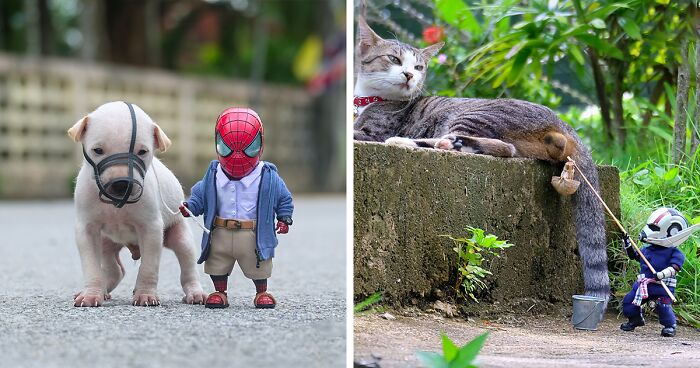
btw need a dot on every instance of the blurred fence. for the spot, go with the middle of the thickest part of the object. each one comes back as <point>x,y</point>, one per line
<point>41,99</point>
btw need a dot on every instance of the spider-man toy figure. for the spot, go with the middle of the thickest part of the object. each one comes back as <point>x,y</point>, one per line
<point>240,198</point>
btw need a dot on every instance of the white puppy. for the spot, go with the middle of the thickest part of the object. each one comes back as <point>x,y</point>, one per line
<point>115,208</point>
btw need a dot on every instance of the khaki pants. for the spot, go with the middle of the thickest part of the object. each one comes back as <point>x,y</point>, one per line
<point>229,246</point>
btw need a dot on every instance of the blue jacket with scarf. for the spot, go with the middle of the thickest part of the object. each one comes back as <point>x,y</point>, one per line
<point>273,199</point>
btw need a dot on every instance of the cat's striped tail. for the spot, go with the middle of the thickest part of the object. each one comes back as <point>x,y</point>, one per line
<point>590,230</point>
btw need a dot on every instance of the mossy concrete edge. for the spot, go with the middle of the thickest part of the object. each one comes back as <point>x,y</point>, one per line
<point>405,199</point>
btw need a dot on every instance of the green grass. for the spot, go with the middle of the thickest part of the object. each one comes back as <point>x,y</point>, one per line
<point>644,188</point>
<point>369,305</point>
<point>648,181</point>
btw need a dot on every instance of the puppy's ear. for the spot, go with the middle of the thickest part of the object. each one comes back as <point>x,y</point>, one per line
<point>162,142</point>
<point>77,131</point>
<point>432,50</point>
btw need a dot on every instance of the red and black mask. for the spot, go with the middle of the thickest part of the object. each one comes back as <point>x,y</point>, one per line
<point>239,141</point>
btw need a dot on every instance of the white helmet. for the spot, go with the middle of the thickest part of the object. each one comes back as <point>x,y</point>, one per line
<point>667,227</point>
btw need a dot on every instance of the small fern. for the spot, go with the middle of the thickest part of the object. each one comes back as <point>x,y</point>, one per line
<point>472,252</point>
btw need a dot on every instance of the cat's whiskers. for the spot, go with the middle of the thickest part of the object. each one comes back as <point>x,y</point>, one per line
<point>383,76</point>
<point>388,89</point>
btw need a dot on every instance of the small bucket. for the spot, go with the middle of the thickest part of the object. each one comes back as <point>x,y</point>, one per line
<point>588,311</point>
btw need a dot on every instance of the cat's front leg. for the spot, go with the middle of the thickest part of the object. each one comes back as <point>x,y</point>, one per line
<point>469,144</point>
<point>360,135</point>
<point>412,143</point>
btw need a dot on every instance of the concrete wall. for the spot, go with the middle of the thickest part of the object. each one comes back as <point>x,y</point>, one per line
<point>41,98</point>
<point>404,199</point>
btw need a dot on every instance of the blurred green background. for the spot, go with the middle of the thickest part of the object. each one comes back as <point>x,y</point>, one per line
<point>624,74</point>
<point>183,62</point>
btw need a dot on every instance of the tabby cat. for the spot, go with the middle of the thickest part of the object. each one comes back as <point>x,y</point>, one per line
<point>393,73</point>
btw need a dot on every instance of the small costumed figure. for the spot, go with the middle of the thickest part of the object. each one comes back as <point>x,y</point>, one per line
<point>240,197</point>
<point>666,229</point>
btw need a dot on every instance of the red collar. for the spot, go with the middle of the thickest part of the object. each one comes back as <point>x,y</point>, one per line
<point>364,101</point>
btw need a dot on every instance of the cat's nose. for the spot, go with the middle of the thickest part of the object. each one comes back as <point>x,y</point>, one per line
<point>408,76</point>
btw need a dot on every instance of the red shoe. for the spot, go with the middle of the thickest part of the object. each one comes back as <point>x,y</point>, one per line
<point>264,300</point>
<point>217,299</point>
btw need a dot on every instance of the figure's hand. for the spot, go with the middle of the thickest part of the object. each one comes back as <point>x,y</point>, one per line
<point>282,228</point>
<point>183,210</point>
<point>659,276</point>
<point>626,240</point>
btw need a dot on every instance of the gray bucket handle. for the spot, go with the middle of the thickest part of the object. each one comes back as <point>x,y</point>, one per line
<point>589,314</point>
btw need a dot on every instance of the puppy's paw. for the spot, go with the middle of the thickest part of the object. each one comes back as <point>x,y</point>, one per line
<point>89,298</point>
<point>145,299</point>
<point>194,295</point>
<point>401,142</point>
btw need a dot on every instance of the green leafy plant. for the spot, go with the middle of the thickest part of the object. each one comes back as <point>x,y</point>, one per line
<point>472,252</point>
<point>643,189</point>
<point>452,356</point>
<point>367,306</point>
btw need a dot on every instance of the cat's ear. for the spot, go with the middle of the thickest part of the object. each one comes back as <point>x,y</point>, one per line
<point>368,38</point>
<point>363,9</point>
<point>432,50</point>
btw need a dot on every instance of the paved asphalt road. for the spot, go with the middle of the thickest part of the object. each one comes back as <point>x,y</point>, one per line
<point>40,271</point>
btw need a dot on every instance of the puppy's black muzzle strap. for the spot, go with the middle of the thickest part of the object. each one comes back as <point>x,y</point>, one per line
<point>130,159</point>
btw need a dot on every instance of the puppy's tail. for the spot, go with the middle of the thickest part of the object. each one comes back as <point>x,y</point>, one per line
<point>590,230</point>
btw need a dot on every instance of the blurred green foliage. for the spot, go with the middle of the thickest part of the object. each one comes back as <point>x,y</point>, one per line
<point>621,56</point>
<point>241,39</point>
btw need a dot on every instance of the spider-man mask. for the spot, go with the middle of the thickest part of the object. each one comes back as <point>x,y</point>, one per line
<point>239,141</point>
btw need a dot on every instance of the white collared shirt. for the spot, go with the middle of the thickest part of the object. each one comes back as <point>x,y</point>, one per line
<point>238,199</point>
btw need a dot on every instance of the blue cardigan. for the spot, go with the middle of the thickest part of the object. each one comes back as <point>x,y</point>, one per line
<point>273,198</point>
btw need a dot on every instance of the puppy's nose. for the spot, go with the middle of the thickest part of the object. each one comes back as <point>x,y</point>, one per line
<point>119,187</point>
<point>408,76</point>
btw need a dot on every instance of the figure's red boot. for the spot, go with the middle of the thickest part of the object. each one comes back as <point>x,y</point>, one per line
<point>217,299</point>
<point>264,300</point>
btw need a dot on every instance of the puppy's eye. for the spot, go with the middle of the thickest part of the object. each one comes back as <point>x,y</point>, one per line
<point>98,151</point>
<point>142,152</point>
<point>419,67</point>
<point>394,59</point>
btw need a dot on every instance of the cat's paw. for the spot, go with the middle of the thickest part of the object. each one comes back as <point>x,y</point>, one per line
<point>447,144</point>
<point>451,142</point>
<point>401,142</point>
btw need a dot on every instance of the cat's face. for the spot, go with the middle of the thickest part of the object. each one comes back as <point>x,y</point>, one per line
<point>391,69</point>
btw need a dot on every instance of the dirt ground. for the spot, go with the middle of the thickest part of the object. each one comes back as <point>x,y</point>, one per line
<point>531,341</point>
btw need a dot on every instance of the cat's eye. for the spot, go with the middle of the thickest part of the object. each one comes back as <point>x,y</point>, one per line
<point>394,59</point>
<point>98,151</point>
<point>419,67</point>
